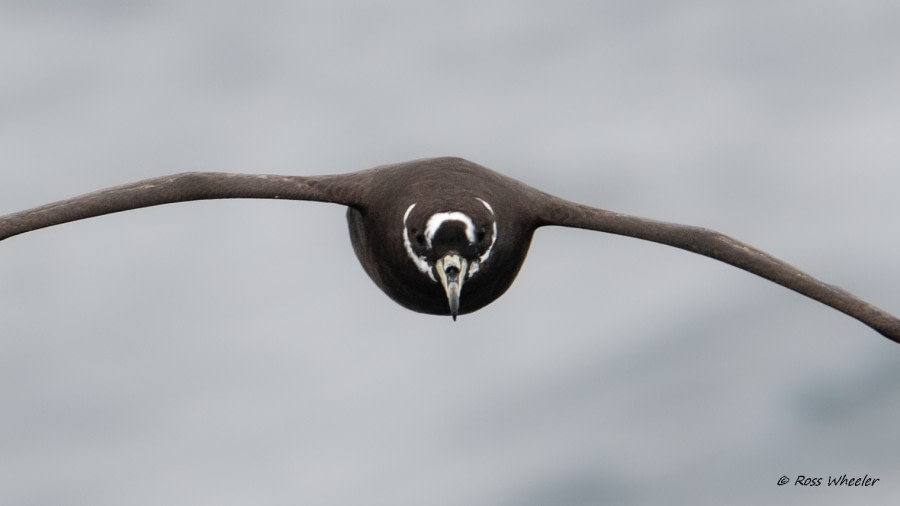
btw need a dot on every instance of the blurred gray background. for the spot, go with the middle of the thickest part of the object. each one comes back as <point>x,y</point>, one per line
<point>234,352</point>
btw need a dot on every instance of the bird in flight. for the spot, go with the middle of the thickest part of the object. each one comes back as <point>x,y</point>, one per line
<point>444,236</point>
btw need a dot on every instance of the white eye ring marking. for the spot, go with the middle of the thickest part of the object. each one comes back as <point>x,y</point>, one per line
<point>408,210</point>
<point>487,253</point>
<point>420,261</point>
<point>488,206</point>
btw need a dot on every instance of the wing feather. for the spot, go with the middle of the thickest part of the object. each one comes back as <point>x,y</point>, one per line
<point>556,211</point>
<point>187,186</point>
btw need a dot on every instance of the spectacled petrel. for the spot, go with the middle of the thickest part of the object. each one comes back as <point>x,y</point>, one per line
<point>443,235</point>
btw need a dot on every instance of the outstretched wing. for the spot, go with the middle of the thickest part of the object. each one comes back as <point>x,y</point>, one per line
<point>556,211</point>
<point>180,188</point>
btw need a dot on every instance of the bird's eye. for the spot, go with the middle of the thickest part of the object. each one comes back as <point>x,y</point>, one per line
<point>481,233</point>
<point>420,238</point>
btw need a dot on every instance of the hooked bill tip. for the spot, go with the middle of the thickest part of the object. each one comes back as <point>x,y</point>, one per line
<point>451,269</point>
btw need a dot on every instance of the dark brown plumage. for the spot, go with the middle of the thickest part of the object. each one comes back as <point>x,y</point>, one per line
<point>443,235</point>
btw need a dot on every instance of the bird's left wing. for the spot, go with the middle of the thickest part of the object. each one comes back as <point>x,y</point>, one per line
<point>555,211</point>
<point>182,187</point>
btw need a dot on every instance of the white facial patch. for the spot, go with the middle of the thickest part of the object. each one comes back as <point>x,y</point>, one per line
<point>438,219</point>
<point>434,223</point>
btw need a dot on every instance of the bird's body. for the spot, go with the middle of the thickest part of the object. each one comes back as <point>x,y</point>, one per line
<point>447,186</point>
<point>444,235</point>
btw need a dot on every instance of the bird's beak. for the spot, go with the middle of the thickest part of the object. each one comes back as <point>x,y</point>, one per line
<point>451,269</point>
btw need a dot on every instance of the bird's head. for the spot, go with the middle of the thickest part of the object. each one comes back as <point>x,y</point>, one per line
<point>450,246</point>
